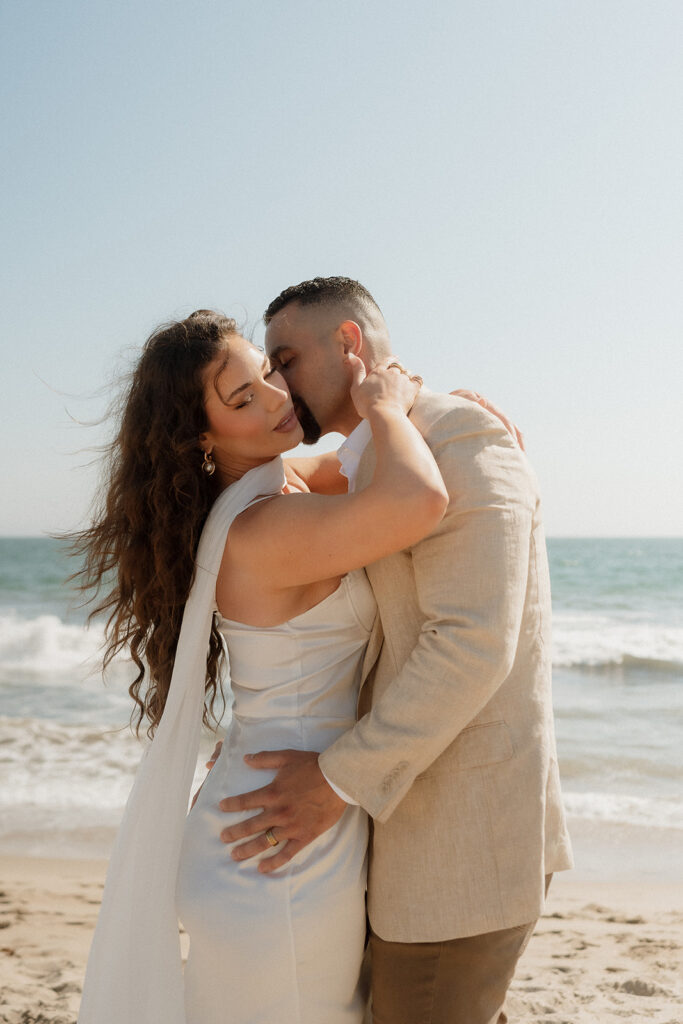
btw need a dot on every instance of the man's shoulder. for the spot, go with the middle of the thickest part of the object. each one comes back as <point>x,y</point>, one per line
<point>471,445</point>
<point>435,412</point>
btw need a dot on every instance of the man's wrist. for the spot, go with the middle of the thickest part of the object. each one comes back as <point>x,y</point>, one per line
<point>340,792</point>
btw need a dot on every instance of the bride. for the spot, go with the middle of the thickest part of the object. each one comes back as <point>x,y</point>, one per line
<point>277,578</point>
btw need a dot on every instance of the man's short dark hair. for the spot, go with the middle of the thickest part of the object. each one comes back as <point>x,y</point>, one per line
<point>321,291</point>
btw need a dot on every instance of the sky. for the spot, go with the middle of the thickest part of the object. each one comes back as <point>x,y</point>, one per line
<point>504,177</point>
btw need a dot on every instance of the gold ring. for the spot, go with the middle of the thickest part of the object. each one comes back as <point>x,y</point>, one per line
<point>417,379</point>
<point>272,841</point>
<point>398,366</point>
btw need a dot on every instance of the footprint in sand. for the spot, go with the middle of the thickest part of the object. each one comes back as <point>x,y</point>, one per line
<point>66,987</point>
<point>609,915</point>
<point>638,987</point>
<point>33,1017</point>
<point>646,947</point>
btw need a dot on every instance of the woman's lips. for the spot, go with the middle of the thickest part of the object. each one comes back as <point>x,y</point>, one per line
<point>288,422</point>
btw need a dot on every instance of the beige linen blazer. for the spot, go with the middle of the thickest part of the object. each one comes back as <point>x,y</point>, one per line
<point>454,756</point>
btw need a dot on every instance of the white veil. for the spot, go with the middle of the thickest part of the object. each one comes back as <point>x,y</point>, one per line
<point>134,973</point>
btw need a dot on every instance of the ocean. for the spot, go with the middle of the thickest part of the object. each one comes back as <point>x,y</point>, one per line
<point>67,756</point>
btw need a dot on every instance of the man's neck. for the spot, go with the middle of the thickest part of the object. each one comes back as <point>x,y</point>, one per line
<point>345,421</point>
<point>348,423</point>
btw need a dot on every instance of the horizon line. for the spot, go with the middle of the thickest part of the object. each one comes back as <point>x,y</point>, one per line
<point>549,536</point>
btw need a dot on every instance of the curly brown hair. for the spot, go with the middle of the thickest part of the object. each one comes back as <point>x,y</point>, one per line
<point>139,550</point>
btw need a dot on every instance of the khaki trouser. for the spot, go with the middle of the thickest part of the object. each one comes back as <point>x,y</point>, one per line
<point>462,981</point>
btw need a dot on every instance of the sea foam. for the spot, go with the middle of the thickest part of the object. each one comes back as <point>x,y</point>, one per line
<point>624,808</point>
<point>53,651</point>
<point>46,646</point>
<point>599,640</point>
<point>65,786</point>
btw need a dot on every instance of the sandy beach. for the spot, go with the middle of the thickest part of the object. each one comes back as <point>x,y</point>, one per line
<point>602,953</point>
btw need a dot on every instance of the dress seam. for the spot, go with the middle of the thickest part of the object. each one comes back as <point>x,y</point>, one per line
<point>292,943</point>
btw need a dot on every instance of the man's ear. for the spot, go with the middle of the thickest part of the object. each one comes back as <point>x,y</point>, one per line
<point>352,337</point>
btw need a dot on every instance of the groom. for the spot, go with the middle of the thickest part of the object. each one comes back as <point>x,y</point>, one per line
<point>453,755</point>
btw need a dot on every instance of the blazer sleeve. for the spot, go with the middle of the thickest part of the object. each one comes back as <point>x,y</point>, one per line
<point>471,577</point>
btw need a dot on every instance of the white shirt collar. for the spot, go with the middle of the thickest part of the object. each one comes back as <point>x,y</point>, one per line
<point>351,451</point>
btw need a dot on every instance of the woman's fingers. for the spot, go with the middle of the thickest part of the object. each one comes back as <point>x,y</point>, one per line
<point>214,757</point>
<point>474,396</point>
<point>209,765</point>
<point>387,381</point>
<point>471,396</point>
<point>357,369</point>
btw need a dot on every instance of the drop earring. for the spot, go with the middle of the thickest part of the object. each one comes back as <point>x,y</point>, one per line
<point>208,465</point>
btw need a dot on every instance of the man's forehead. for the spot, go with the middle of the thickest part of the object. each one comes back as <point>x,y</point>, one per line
<point>293,325</point>
<point>281,333</point>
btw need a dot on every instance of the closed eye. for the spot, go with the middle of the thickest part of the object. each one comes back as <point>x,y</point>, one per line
<point>268,370</point>
<point>246,401</point>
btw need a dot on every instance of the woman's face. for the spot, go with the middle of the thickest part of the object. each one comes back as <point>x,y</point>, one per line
<point>250,414</point>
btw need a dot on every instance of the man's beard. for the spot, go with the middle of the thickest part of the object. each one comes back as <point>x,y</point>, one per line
<point>309,423</point>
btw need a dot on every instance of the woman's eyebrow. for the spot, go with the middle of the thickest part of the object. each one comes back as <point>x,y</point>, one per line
<point>243,387</point>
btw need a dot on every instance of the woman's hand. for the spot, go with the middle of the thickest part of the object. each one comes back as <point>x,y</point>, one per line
<point>512,428</point>
<point>387,382</point>
<point>209,764</point>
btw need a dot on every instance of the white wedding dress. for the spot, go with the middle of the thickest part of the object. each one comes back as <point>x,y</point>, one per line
<point>284,948</point>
